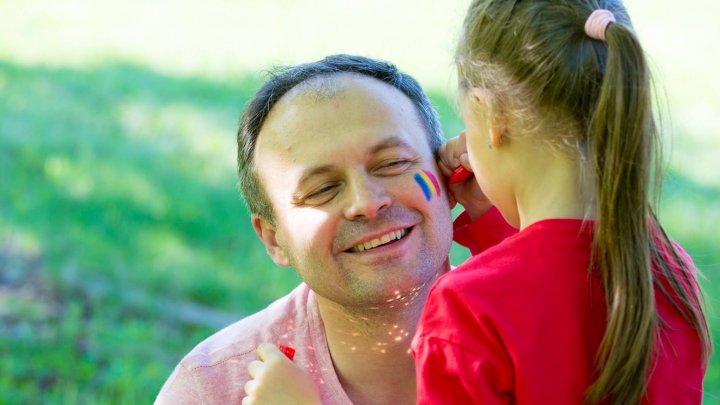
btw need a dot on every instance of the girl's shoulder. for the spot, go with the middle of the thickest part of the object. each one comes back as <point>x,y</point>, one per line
<point>549,245</point>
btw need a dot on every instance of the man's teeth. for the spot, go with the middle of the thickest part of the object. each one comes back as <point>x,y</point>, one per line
<point>388,237</point>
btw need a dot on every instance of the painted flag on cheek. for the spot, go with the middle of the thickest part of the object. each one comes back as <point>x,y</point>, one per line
<point>428,183</point>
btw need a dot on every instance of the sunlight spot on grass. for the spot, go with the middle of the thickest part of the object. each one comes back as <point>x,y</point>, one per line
<point>56,167</point>
<point>128,184</point>
<point>100,180</point>
<point>167,249</point>
<point>183,125</point>
<point>77,183</point>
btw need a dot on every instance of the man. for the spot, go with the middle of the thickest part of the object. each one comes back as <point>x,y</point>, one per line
<point>335,161</point>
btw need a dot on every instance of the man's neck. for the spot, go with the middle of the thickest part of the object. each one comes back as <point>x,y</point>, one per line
<point>370,349</point>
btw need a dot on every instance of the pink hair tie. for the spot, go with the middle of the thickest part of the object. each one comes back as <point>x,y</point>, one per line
<point>597,23</point>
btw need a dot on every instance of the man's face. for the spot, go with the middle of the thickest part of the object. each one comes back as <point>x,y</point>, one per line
<point>340,174</point>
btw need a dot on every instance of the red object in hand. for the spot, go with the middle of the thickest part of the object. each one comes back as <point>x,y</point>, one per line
<point>287,351</point>
<point>459,175</point>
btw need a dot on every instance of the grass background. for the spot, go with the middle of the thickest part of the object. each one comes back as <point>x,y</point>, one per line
<point>123,240</point>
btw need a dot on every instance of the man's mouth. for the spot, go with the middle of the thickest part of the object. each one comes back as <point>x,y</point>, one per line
<point>386,239</point>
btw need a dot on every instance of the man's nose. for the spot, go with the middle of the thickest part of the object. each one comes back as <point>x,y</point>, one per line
<point>367,197</point>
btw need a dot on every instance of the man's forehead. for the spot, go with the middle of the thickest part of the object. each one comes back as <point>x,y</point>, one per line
<point>326,87</point>
<point>320,88</point>
<point>341,107</point>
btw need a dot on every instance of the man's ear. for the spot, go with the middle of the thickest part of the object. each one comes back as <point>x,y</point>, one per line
<point>268,235</point>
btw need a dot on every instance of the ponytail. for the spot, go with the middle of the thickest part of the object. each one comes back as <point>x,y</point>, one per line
<point>620,131</point>
<point>628,239</point>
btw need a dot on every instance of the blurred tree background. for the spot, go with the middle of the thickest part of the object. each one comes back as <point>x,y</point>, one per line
<point>123,239</point>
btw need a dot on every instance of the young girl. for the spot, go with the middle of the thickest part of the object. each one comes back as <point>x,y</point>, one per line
<point>590,301</point>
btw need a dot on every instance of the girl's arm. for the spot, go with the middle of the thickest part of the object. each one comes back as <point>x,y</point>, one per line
<point>481,226</point>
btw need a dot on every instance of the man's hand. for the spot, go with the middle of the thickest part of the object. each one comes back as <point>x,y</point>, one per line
<point>277,381</point>
<point>468,193</point>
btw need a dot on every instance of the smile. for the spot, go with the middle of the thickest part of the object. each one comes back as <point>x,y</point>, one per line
<point>389,237</point>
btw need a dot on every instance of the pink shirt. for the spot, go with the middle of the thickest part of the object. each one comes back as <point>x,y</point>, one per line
<point>215,372</point>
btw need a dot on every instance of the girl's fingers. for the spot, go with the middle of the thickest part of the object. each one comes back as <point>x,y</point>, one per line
<point>250,388</point>
<point>443,162</point>
<point>445,170</point>
<point>450,155</point>
<point>254,368</point>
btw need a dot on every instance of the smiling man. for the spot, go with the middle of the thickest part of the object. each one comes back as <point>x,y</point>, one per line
<point>337,166</point>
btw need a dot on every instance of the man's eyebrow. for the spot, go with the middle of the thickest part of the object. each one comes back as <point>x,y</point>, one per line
<point>392,142</point>
<point>315,171</point>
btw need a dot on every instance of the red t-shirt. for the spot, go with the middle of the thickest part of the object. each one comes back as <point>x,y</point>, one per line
<point>521,323</point>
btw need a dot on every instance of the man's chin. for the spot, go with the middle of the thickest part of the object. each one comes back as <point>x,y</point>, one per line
<point>402,296</point>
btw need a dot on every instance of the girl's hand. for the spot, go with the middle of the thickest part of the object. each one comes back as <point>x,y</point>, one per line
<point>468,193</point>
<point>278,381</point>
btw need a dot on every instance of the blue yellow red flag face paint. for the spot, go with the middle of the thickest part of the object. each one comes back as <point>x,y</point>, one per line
<point>428,184</point>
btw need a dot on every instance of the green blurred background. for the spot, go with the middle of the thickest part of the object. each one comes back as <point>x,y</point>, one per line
<point>123,240</point>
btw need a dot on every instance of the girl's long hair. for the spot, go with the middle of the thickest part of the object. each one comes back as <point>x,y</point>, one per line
<point>538,62</point>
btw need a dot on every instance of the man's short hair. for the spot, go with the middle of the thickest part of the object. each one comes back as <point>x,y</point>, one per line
<point>284,79</point>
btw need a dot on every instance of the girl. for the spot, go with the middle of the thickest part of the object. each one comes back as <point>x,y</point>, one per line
<point>590,301</point>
